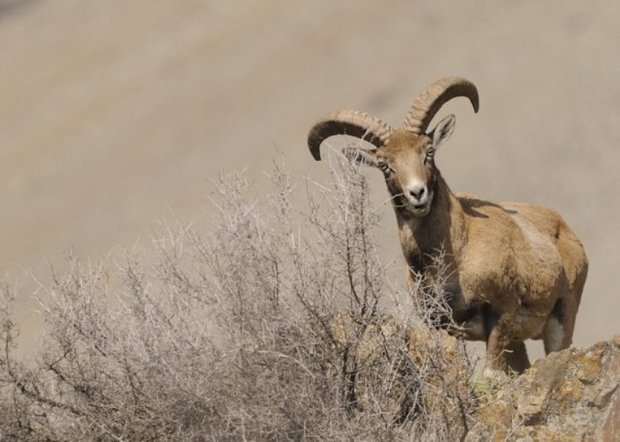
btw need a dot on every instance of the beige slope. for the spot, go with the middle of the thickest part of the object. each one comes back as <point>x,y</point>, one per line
<point>115,114</point>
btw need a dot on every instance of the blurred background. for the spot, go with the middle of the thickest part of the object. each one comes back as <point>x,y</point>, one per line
<point>117,114</point>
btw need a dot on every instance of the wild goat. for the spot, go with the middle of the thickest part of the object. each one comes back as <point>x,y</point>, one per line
<point>516,271</point>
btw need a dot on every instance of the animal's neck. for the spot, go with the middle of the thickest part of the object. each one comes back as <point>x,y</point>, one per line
<point>423,238</point>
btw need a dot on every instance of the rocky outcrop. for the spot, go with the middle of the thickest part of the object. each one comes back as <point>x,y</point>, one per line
<point>571,395</point>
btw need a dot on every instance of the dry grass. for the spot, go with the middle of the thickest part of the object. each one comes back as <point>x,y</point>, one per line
<point>271,326</point>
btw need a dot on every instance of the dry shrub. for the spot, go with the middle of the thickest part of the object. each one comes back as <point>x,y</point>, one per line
<point>271,326</point>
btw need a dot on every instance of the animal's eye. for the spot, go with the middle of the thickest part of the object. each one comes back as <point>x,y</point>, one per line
<point>430,153</point>
<point>385,167</point>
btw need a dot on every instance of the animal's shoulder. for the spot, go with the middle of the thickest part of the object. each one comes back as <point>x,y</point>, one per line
<point>486,216</point>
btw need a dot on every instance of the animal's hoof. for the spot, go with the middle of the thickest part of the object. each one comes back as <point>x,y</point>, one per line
<point>494,373</point>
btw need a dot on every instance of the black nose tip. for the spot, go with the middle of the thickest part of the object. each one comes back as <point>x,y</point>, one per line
<point>417,193</point>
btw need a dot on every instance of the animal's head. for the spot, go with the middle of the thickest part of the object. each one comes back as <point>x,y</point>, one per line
<point>406,155</point>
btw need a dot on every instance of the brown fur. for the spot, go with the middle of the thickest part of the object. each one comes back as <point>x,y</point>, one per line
<point>516,271</point>
<point>519,265</point>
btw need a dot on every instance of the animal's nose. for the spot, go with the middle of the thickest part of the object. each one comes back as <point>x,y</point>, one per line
<point>417,192</point>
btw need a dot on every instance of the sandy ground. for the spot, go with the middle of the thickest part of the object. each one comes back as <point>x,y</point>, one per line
<point>115,114</point>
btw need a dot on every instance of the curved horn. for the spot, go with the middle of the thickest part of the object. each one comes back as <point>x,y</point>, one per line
<point>348,122</point>
<point>430,101</point>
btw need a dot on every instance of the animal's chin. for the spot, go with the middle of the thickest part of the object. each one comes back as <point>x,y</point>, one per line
<point>409,208</point>
<point>419,210</point>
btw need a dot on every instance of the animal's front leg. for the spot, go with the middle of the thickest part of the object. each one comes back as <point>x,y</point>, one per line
<point>499,336</point>
<point>516,357</point>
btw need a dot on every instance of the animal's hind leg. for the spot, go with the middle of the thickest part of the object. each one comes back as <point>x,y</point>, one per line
<point>554,335</point>
<point>558,331</point>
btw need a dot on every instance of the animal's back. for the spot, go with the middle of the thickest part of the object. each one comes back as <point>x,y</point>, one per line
<point>541,227</point>
<point>546,257</point>
<point>552,226</point>
<point>545,271</point>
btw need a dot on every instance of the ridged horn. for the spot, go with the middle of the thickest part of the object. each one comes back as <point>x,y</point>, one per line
<point>430,101</point>
<point>348,122</point>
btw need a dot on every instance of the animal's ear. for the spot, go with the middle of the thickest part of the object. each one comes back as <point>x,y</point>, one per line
<point>367,157</point>
<point>442,131</point>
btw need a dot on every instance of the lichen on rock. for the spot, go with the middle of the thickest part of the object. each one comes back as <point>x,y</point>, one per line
<point>570,395</point>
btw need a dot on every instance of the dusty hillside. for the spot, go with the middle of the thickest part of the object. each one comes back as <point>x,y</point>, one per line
<point>116,114</point>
